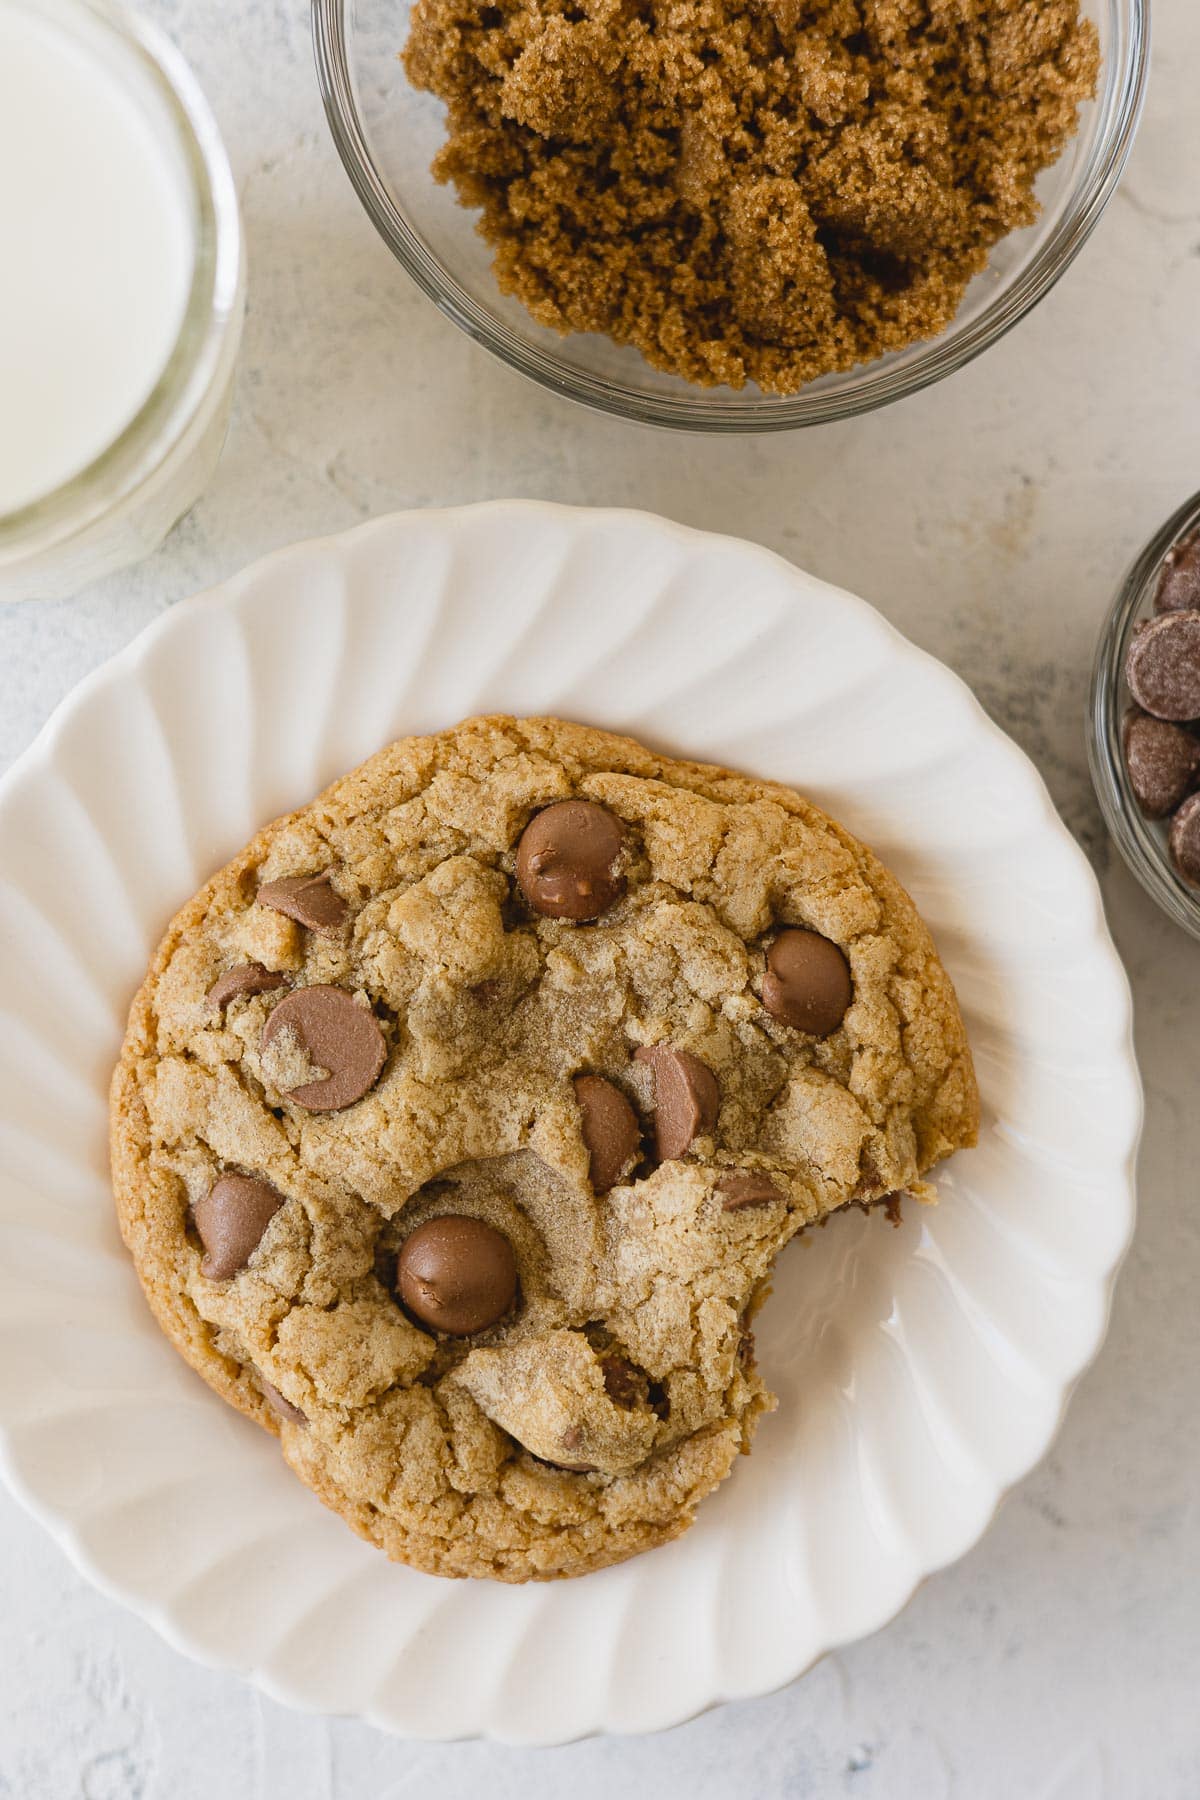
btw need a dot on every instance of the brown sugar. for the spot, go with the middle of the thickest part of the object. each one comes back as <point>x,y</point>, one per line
<point>750,190</point>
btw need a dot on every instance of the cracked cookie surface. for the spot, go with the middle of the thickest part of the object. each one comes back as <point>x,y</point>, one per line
<point>461,1117</point>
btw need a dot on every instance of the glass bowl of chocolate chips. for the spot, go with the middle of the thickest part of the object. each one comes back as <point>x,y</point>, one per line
<point>1145,739</point>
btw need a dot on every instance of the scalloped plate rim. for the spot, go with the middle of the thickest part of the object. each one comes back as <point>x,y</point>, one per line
<point>236,590</point>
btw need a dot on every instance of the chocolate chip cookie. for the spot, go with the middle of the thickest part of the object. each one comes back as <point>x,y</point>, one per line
<point>461,1117</point>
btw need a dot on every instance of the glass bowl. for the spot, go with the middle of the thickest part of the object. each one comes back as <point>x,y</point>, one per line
<point>1141,841</point>
<point>119,507</point>
<point>387,135</point>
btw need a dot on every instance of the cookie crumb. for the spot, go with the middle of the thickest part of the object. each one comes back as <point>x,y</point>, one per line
<point>287,1065</point>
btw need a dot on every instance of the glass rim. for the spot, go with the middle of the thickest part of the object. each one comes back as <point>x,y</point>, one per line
<point>1131,831</point>
<point>212,309</point>
<point>1122,96</point>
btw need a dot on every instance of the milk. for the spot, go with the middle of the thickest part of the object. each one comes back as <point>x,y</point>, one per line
<point>97,235</point>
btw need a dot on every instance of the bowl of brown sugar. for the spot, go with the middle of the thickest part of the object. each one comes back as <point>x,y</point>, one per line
<point>734,215</point>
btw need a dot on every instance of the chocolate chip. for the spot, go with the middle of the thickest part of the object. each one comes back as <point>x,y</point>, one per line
<point>1163,762</point>
<point>748,1187</point>
<point>245,979</point>
<point>622,1382</point>
<point>571,1439</point>
<point>457,1274</point>
<point>1163,666</point>
<point>1184,840</point>
<point>336,1034</point>
<point>686,1098</point>
<point>658,1399</point>
<point>231,1219</point>
<point>312,900</point>
<point>807,984</point>
<point>567,860</point>
<point>1179,584</point>
<point>609,1128</point>
<point>278,1405</point>
<point>870,1181</point>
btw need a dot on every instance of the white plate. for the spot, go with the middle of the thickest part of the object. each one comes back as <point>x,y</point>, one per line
<point>920,1371</point>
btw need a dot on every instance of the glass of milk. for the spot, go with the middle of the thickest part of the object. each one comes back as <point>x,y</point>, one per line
<point>121,292</point>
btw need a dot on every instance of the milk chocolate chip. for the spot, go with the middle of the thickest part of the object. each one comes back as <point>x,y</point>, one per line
<point>571,1439</point>
<point>1184,840</point>
<point>245,979</point>
<point>686,1098</point>
<point>1179,584</point>
<point>807,984</point>
<point>610,1131</point>
<point>567,860</point>
<point>1163,666</point>
<point>457,1274</point>
<point>623,1383</point>
<point>1163,761</point>
<point>336,1034</point>
<point>747,1187</point>
<point>283,1409</point>
<point>311,900</point>
<point>231,1219</point>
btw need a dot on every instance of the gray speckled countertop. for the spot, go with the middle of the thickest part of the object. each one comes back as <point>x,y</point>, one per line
<point>990,519</point>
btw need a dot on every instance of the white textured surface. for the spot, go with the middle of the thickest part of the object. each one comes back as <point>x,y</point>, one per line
<point>990,519</point>
<point>920,1371</point>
